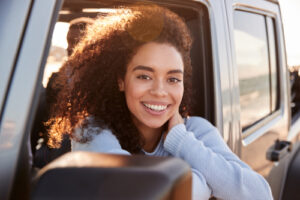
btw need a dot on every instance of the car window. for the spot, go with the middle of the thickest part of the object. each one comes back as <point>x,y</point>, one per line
<point>257,66</point>
<point>196,18</point>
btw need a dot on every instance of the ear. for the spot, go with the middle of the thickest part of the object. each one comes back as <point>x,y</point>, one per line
<point>121,84</point>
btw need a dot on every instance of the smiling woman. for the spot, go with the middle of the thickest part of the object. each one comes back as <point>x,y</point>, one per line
<point>128,92</point>
<point>98,66</point>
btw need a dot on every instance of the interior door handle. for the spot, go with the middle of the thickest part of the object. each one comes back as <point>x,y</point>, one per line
<point>279,150</point>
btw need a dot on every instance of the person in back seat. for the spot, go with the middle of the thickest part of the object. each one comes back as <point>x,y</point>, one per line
<point>130,94</point>
<point>76,31</point>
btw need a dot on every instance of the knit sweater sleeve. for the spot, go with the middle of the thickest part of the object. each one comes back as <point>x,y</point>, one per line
<point>200,145</point>
<point>104,142</point>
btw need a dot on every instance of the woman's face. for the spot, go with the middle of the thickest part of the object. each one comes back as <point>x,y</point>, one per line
<point>153,85</point>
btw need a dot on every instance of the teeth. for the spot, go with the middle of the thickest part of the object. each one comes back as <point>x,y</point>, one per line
<point>155,107</point>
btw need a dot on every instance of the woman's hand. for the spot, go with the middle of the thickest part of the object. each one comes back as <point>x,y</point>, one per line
<point>173,121</point>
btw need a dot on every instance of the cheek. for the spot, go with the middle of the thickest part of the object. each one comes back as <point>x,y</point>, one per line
<point>177,94</point>
<point>134,92</point>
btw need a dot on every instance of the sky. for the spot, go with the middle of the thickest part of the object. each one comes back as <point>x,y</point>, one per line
<point>290,10</point>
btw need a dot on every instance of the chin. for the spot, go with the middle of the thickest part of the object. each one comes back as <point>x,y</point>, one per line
<point>156,125</point>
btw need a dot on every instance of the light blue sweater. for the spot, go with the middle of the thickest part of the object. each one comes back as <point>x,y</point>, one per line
<point>216,170</point>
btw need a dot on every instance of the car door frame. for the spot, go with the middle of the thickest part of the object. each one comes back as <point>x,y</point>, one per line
<point>23,91</point>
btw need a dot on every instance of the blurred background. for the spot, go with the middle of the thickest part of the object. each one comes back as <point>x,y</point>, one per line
<point>290,10</point>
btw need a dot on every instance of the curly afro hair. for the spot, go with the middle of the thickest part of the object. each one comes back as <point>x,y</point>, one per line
<point>89,78</point>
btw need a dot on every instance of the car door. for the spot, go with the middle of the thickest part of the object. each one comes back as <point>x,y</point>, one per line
<point>25,28</point>
<point>260,73</point>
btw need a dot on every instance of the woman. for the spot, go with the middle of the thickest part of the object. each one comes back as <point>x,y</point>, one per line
<point>129,94</point>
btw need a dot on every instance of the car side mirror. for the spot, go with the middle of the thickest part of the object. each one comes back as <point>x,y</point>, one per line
<point>86,175</point>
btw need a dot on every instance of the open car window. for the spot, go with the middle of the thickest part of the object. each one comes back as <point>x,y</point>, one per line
<point>194,14</point>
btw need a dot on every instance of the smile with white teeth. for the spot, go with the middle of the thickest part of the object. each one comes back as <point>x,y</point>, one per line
<point>155,107</point>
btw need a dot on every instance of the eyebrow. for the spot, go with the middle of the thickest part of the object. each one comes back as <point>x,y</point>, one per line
<point>140,67</point>
<point>175,71</point>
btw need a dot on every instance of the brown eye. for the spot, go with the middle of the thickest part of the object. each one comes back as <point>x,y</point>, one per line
<point>174,80</point>
<point>144,77</point>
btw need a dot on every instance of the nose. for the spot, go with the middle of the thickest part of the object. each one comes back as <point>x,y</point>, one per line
<point>158,88</point>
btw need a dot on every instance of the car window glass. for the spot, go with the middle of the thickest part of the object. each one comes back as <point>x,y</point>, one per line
<point>256,62</point>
